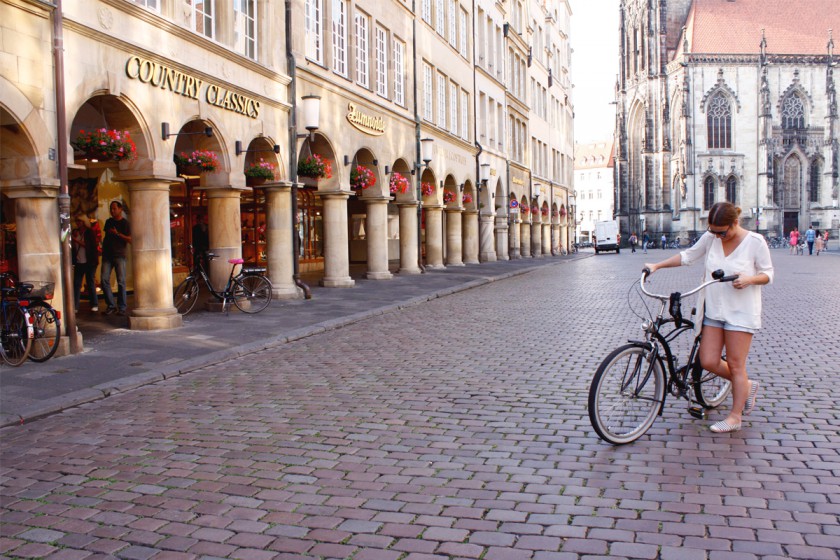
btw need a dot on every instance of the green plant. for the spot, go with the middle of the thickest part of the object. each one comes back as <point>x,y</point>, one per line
<point>399,183</point>
<point>204,160</point>
<point>106,145</point>
<point>260,170</point>
<point>361,178</point>
<point>314,166</point>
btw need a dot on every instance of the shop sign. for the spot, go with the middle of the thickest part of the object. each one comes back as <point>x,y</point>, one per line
<point>166,77</point>
<point>375,126</point>
<point>517,181</point>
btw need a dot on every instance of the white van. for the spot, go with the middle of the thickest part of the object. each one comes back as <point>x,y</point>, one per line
<point>606,236</point>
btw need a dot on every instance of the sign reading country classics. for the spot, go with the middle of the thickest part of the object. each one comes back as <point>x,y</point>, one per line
<point>366,123</point>
<point>172,79</point>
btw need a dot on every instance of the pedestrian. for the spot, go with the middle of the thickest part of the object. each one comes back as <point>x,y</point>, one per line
<point>794,240</point>
<point>732,310</point>
<point>201,240</point>
<point>810,236</point>
<point>664,240</point>
<point>818,242</point>
<point>633,240</point>
<point>117,238</point>
<point>825,240</point>
<point>645,241</point>
<point>85,260</point>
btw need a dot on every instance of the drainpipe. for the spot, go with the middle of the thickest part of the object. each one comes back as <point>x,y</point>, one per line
<point>290,57</point>
<point>64,192</point>
<point>417,154</point>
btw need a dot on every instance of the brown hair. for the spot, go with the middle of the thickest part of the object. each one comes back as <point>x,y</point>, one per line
<point>724,214</point>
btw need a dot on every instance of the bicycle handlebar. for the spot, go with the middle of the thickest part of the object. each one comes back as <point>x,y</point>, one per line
<point>717,276</point>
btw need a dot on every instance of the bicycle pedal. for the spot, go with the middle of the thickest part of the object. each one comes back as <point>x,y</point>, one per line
<point>698,412</point>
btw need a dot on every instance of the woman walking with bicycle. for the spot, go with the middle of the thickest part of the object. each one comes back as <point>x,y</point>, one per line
<point>732,313</point>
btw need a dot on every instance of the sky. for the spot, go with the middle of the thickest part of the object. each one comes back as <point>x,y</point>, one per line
<point>594,40</point>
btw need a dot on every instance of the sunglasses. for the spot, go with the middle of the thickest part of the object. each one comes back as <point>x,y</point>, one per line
<point>719,234</point>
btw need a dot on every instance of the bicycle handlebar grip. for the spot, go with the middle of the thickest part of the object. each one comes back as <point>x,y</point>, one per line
<point>645,272</point>
<point>729,278</point>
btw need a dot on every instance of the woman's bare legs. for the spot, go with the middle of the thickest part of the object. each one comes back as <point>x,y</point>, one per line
<point>734,369</point>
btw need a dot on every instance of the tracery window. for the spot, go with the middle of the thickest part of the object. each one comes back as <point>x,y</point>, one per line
<point>793,113</point>
<point>708,193</point>
<point>814,183</point>
<point>732,190</point>
<point>719,122</point>
<point>793,182</point>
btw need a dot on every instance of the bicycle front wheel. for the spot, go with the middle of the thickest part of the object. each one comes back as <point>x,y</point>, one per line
<point>626,395</point>
<point>15,341</point>
<point>251,294</point>
<point>186,294</point>
<point>47,332</point>
<point>709,389</point>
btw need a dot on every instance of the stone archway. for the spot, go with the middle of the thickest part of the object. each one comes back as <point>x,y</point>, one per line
<point>368,215</point>
<point>402,187</point>
<point>431,221</point>
<point>470,223</point>
<point>501,227</point>
<point>525,227</point>
<point>453,222</point>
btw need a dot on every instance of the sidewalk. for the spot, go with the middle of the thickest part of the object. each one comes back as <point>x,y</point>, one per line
<point>117,359</point>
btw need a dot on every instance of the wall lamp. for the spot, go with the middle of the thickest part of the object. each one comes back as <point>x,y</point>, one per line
<point>346,160</point>
<point>484,173</point>
<point>239,150</point>
<point>425,153</point>
<point>165,134</point>
<point>387,170</point>
<point>311,115</point>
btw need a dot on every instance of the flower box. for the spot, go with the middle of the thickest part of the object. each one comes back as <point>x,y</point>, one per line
<point>314,167</point>
<point>467,198</point>
<point>399,183</point>
<point>361,178</point>
<point>197,162</point>
<point>427,189</point>
<point>259,172</point>
<point>105,145</point>
<point>448,197</point>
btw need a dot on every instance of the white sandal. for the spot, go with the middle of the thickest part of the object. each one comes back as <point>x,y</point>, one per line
<point>724,427</point>
<point>750,404</point>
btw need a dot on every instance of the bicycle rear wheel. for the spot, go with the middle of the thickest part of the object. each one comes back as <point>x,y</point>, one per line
<point>186,294</point>
<point>251,294</point>
<point>47,332</point>
<point>709,389</point>
<point>15,342</point>
<point>626,394</point>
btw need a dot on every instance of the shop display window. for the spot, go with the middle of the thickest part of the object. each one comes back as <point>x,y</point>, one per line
<point>310,225</point>
<point>252,208</point>
<point>187,204</point>
<point>8,236</point>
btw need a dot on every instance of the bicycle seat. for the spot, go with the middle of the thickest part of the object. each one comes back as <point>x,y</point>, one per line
<point>236,261</point>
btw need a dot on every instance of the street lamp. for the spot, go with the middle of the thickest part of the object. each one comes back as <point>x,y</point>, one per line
<point>311,115</point>
<point>484,173</point>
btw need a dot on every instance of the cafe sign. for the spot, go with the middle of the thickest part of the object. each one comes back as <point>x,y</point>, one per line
<point>168,78</point>
<point>369,124</point>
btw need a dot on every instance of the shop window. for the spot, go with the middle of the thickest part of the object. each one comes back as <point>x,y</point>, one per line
<point>310,225</point>
<point>187,206</point>
<point>252,215</point>
<point>245,27</point>
<point>8,236</point>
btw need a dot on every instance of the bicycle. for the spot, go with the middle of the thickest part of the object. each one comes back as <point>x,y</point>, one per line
<point>16,331</point>
<point>45,319</point>
<point>628,390</point>
<point>249,290</point>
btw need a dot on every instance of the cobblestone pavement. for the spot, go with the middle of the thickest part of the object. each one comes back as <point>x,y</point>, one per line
<point>452,429</point>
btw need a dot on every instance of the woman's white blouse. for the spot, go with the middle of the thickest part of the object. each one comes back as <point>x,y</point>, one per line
<point>723,302</point>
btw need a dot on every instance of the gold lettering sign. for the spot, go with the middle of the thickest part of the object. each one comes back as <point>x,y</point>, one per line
<point>517,181</point>
<point>368,124</point>
<point>172,79</point>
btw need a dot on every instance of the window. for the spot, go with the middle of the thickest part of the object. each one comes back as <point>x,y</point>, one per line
<point>399,73</point>
<point>381,62</point>
<point>462,45</point>
<point>793,113</point>
<point>204,17</point>
<point>151,4</point>
<point>453,22</point>
<point>339,36</point>
<point>245,27</point>
<point>453,108</point>
<point>708,193</point>
<point>427,11</point>
<point>465,115</point>
<point>362,74</point>
<point>428,114</point>
<point>815,180</point>
<point>313,30</point>
<point>440,20</point>
<point>732,190</point>
<point>792,182</point>
<point>719,122</point>
<point>441,91</point>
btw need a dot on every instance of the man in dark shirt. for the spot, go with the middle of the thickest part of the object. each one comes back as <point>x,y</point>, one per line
<point>117,238</point>
<point>201,240</point>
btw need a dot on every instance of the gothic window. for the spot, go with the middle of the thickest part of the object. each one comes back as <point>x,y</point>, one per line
<point>732,190</point>
<point>793,113</point>
<point>793,182</point>
<point>816,170</point>
<point>708,193</point>
<point>719,122</point>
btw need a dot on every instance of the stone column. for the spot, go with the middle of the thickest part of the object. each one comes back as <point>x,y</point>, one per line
<point>501,231</point>
<point>515,230</point>
<point>486,243</point>
<point>471,240</point>
<point>336,241</point>
<point>525,239</point>
<point>434,236</point>
<point>555,239</point>
<point>408,238</point>
<point>536,238</point>
<point>225,229</point>
<point>454,241</point>
<point>151,254</point>
<point>376,229</point>
<point>279,236</point>
<point>546,239</point>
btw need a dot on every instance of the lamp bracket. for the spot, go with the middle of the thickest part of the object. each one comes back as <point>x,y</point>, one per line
<point>239,150</point>
<point>165,134</point>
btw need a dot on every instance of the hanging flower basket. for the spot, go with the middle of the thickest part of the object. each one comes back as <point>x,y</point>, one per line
<point>361,178</point>
<point>525,209</point>
<point>467,198</point>
<point>259,172</point>
<point>544,211</point>
<point>554,213</point>
<point>563,211</point>
<point>534,209</point>
<point>106,145</point>
<point>399,183</point>
<point>427,189</point>
<point>314,167</point>
<point>448,196</point>
<point>197,162</point>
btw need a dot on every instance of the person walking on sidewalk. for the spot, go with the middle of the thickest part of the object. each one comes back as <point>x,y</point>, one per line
<point>85,261</point>
<point>664,241</point>
<point>794,240</point>
<point>818,243</point>
<point>810,236</point>
<point>633,240</point>
<point>645,241</point>
<point>732,311</point>
<point>117,238</point>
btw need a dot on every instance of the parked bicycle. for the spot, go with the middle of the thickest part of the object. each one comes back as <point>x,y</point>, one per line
<point>629,388</point>
<point>45,319</point>
<point>249,290</point>
<point>16,332</point>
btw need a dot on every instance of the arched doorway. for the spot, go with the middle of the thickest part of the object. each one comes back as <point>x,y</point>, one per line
<point>452,226</point>
<point>403,239</point>
<point>431,221</point>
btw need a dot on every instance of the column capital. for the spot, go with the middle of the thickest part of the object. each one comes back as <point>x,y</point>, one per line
<point>334,194</point>
<point>31,188</point>
<point>274,186</point>
<point>376,199</point>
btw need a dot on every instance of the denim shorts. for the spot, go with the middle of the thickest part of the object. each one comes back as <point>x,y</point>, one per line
<point>727,326</point>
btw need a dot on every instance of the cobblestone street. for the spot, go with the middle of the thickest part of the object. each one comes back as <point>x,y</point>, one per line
<point>452,429</point>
